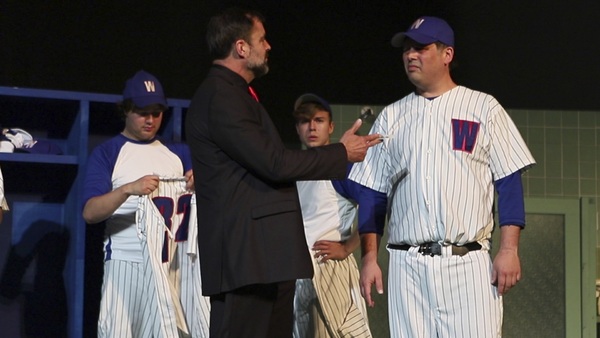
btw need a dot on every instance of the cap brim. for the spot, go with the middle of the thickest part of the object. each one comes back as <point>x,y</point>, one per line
<point>143,101</point>
<point>398,39</point>
<point>311,98</point>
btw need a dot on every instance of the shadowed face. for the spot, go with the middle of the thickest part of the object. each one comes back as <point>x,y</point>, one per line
<point>259,50</point>
<point>142,126</point>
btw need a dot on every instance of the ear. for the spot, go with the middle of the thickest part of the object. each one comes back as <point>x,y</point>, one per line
<point>331,127</point>
<point>241,48</point>
<point>448,54</point>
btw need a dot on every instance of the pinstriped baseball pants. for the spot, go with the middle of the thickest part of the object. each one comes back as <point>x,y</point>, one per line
<point>330,305</point>
<point>443,296</point>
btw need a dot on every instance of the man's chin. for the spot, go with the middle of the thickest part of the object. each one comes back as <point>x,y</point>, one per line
<point>315,144</point>
<point>260,71</point>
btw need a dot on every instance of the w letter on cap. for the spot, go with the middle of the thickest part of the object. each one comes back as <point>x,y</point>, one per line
<point>417,23</point>
<point>150,87</point>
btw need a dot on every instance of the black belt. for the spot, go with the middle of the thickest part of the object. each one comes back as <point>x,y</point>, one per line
<point>435,249</point>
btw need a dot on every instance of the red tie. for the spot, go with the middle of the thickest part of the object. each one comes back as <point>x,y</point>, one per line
<point>253,93</point>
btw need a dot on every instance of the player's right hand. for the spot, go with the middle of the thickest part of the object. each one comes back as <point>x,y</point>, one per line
<point>370,273</point>
<point>144,185</point>
<point>356,145</point>
<point>327,250</point>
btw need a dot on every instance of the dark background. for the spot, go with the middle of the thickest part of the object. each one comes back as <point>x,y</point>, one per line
<point>528,54</point>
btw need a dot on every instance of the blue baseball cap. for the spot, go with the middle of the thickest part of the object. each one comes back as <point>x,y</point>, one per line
<point>144,89</point>
<point>310,97</point>
<point>426,30</point>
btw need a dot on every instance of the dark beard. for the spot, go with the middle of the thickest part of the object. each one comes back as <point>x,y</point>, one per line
<point>259,70</point>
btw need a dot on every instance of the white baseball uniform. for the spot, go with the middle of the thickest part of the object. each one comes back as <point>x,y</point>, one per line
<point>329,304</point>
<point>437,167</point>
<point>116,162</point>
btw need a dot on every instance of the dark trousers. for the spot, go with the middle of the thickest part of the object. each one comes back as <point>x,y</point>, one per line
<point>254,311</point>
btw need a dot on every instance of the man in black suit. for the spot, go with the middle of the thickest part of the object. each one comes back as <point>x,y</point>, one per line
<point>251,236</point>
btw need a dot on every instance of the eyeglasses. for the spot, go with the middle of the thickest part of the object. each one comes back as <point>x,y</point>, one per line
<point>154,114</point>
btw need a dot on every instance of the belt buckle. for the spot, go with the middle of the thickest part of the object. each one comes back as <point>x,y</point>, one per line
<point>431,249</point>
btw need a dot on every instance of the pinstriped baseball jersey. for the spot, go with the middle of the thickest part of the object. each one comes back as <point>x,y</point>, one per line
<point>438,165</point>
<point>157,253</point>
<point>166,220</point>
<point>195,306</point>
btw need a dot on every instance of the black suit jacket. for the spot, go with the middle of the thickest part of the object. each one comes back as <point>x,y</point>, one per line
<point>250,224</point>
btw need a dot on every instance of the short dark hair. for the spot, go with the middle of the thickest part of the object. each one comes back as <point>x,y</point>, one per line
<point>225,28</point>
<point>127,106</point>
<point>440,45</point>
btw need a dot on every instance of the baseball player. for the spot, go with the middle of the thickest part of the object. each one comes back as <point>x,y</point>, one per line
<point>330,304</point>
<point>118,172</point>
<point>447,148</point>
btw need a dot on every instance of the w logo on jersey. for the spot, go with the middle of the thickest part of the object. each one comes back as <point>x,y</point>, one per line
<point>150,86</point>
<point>464,134</point>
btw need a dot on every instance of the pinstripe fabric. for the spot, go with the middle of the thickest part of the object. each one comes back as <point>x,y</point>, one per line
<point>437,167</point>
<point>447,296</point>
<point>164,305</point>
<point>338,294</point>
<point>138,299</point>
<point>307,313</point>
<point>121,311</point>
<point>441,194</point>
<point>330,304</point>
<point>163,293</point>
<point>195,306</point>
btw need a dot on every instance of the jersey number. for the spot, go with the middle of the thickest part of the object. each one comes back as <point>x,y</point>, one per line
<point>167,208</point>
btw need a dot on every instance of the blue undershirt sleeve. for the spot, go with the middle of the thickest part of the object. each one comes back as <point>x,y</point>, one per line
<point>371,204</point>
<point>511,205</point>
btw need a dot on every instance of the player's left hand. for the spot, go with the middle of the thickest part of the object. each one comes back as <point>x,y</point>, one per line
<point>506,270</point>
<point>370,275</point>
<point>326,250</point>
<point>189,179</point>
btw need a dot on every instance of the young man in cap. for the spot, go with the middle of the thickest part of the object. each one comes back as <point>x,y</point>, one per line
<point>329,304</point>
<point>120,171</point>
<point>448,147</point>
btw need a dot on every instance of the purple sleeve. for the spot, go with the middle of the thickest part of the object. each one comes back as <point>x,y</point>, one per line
<point>511,205</point>
<point>372,204</point>
<point>99,169</point>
